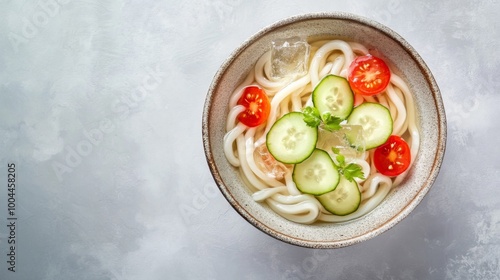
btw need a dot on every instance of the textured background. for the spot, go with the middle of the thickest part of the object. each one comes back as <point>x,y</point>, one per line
<point>100,110</point>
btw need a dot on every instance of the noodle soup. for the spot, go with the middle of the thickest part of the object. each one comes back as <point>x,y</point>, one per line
<point>273,180</point>
<point>247,151</point>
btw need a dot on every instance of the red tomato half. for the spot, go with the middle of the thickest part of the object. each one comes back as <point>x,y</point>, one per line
<point>257,106</point>
<point>393,157</point>
<point>368,75</point>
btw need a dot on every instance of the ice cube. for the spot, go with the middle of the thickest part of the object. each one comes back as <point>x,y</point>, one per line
<point>269,164</point>
<point>348,141</point>
<point>289,58</point>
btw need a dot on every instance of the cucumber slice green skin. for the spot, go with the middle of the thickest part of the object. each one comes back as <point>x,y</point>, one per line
<point>344,200</point>
<point>317,174</point>
<point>376,121</point>
<point>290,140</point>
<point>333,94</point>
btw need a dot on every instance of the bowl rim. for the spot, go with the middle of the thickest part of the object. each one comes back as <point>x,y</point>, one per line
<point>440,148</point>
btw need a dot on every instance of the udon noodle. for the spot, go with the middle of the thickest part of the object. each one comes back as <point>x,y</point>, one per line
<point>245,146</point>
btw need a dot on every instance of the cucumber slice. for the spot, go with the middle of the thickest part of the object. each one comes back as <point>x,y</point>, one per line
<point>290,139</point>
<point>376,121</point>
<point>333,94</point>
<point>317,174</point>
<point>344,200</point>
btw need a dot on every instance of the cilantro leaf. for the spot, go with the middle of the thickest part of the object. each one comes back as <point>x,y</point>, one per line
<point>341,160</point>
<point>353,170</point>
<point>335,150</point>
<point>311,116</point>
<point>331,123</point>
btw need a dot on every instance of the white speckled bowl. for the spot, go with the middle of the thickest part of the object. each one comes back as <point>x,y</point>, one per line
<point>400,201</point>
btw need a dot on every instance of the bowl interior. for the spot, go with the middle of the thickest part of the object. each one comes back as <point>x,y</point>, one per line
<point>400,201</point>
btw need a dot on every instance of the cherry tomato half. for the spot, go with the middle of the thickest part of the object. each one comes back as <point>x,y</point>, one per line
<point>257,106</point>
<point>368,75</point>
<point>393,157</point>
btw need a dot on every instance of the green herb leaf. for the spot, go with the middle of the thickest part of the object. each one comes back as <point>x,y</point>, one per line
<point>331,123</point>
<point>341,160</point>
<point>353,170</point>
<point>336,150</point>
<point>311,116</point>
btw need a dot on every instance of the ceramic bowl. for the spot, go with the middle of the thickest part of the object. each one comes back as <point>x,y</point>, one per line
<point>400,201</point>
